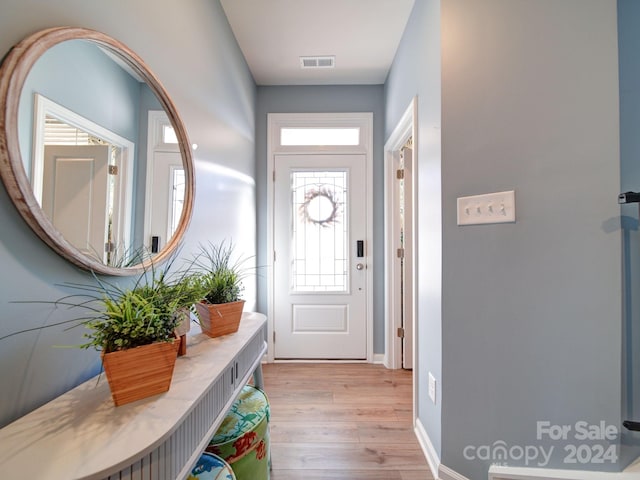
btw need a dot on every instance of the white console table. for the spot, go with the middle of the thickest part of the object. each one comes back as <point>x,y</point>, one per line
<point>82,435</point>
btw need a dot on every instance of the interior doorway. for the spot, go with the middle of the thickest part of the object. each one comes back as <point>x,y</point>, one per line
<point>400,242</point>
<point>82,176</point>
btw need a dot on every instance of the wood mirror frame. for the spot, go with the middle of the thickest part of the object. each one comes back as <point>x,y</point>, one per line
<point>13,73</point>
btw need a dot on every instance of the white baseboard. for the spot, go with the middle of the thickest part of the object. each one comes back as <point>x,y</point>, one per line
<point>438,470</point>
<point>378,358</point>
<point>442,472</point>
<point>427,448</point>
<point>522,473</point>
<point>445,473</point>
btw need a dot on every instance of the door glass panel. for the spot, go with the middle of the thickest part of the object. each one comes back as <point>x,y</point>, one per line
<point>177,199</point>
<point>319,240</point>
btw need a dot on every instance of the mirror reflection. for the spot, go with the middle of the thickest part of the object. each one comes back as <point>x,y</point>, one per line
<point>100,153</point>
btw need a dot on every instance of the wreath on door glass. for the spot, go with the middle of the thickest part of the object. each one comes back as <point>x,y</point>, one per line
<point>320,207</point>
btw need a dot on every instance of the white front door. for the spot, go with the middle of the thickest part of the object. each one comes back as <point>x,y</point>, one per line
<point>320,258</point>
<point>75,195</point>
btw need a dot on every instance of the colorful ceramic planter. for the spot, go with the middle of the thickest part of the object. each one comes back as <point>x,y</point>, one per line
<point>211,467</point>
<point>243,437</point>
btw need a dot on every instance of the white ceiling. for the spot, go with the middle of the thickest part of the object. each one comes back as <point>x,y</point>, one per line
<point>362,34</point>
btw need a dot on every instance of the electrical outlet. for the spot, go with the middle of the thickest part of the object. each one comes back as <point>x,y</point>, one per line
<point>499,207</point>
<point>432,388</point>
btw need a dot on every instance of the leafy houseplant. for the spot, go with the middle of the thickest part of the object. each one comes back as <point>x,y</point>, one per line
<point>134,328</point>
<point>220,277</point>
<point>146,313</point>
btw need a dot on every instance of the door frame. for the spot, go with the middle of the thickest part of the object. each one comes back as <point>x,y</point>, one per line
<point>405,129</point>
<point>123,204</point>
<point>277,121</point>
<point>156,120</point>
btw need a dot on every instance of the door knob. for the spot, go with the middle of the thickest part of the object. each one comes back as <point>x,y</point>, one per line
<point>359,266</point>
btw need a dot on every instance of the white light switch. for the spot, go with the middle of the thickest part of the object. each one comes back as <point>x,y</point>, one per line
<point>432,387</point>
<point>499,207</point>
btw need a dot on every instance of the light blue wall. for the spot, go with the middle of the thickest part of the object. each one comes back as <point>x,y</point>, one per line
<point>416,72</point>
<point>527,324</point>
<point>531,310</point>
<point>629,61</point>
<point>336,98</point>
<point>191,49</point>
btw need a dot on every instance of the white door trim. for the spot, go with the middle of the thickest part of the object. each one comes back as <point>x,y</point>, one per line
<point>405,129</point>
<point>123,204</point>
<point>156,120</point>
<point>276,121</point>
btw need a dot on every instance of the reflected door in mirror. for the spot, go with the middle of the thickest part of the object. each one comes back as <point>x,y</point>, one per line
<point>165,181</point>
<point>166,203</point>
<point>75,195</point>
<point>106,233</point>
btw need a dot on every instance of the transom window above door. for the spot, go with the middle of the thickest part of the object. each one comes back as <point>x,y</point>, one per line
<point>319,136</point>
<point>338,132</point>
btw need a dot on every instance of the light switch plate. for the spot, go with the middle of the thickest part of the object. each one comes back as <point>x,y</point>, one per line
<point>432,387</point>
<point>499,207</point>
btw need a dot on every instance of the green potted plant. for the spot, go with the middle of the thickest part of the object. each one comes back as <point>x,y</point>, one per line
<point>135,330</point>
<point>220,277</point>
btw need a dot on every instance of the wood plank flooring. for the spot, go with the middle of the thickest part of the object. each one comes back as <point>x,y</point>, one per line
<point>342,422</point>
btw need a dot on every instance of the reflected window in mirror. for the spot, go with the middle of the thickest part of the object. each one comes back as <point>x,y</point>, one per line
<point>164,168</point>
<point>177,200</point>
<point>169,135</point>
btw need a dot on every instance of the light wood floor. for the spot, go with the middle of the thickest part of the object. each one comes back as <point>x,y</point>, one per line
<point>342,422</point>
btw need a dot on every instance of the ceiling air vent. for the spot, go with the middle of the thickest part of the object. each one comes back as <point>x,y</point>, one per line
<point>318,62</point>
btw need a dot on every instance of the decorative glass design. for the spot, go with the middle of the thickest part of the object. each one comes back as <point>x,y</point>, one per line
<point>319,230</point>
<point>320,207</point>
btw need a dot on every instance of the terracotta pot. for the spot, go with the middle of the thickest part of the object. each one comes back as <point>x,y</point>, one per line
<point>140,372</point>
<point>220,319</point>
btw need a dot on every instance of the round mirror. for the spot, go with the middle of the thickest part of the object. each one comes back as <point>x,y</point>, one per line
<point>93,152</point>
